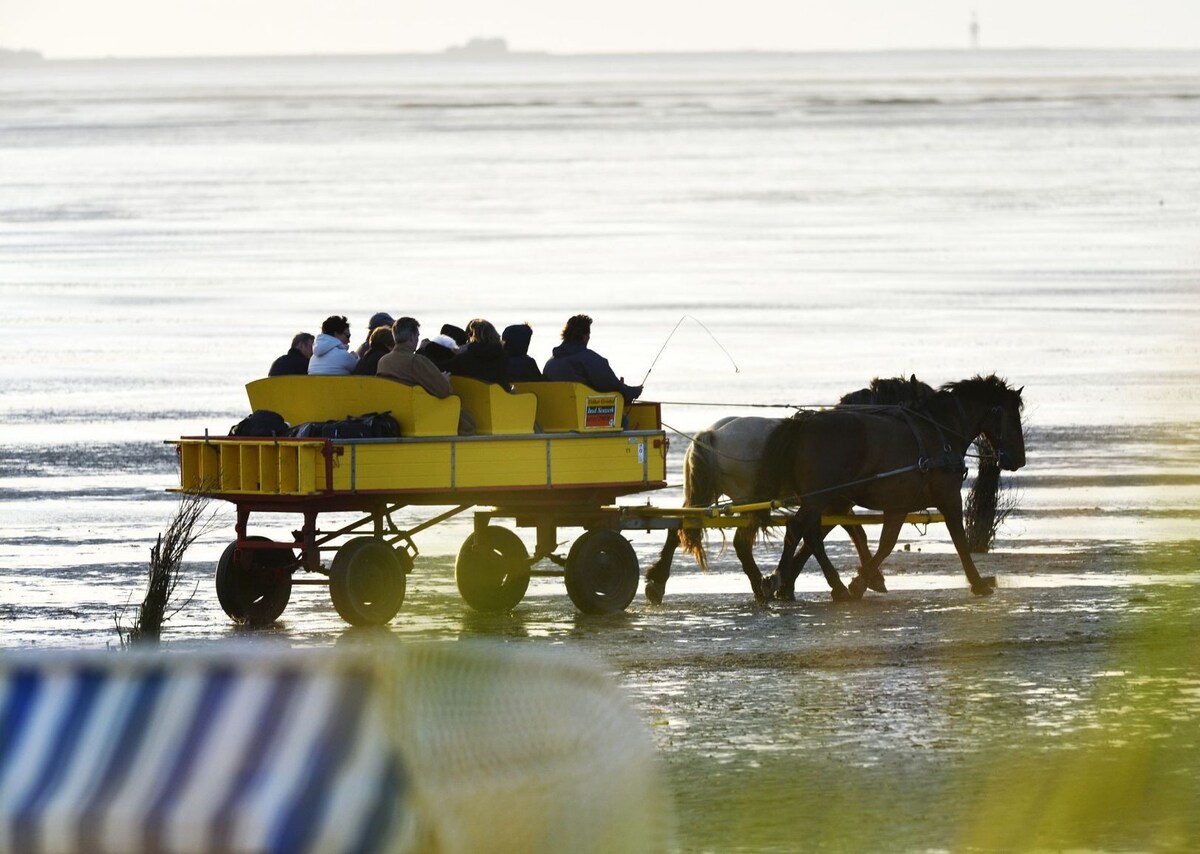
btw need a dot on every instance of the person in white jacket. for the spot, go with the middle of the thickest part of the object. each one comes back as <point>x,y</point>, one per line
<point>331,354</point>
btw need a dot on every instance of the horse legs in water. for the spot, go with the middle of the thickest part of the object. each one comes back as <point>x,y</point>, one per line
<point>869,574</point>
<point>806,526</point>
<point>657,575</point>
<point>743,547</point>
<point>782,583</point>
<point>951,510</point>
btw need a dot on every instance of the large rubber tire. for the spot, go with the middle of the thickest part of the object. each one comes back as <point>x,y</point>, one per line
<point>255,590</point>
<point>367,581</point>
<point>602,572</point>
<point>494,575</point>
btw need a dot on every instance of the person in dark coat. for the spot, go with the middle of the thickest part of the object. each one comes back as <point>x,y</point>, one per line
<point>521,366</point>
<point>439,349</point>
<point>459,335</point>
<point>483,359</point>
<point>574,362</point>
<point>295,360</point>
<point>382,342</point>
<point>378,319</point>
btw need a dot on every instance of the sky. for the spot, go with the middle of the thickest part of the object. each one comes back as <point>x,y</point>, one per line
<point>65,29</point>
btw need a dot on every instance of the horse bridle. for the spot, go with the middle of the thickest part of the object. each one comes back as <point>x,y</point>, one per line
<point>925,463</point>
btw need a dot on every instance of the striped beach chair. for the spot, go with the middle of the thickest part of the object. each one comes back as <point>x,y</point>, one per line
<point>244,751</point>
<point>443,747</point>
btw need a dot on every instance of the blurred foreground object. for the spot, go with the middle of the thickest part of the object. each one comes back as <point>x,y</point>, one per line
<point>454,747</point>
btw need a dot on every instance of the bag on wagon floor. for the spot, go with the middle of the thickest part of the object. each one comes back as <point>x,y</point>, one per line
<point>373,425</point>
<point>261,422</point>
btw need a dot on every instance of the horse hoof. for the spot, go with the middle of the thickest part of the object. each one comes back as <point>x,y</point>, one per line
<point>989,580</point>
<point>770,585</point>
<point>785,595</point>
<point>841,594</point>
<point>875,582</point>
<point>982,589</point>
<point>857,587</point>
<point>654,592</point>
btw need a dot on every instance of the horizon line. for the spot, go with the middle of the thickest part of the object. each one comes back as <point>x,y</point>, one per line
<point>510,54</point>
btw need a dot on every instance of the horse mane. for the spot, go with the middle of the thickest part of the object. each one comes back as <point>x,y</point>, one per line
<point>978,387</point>
<point>889,391</point>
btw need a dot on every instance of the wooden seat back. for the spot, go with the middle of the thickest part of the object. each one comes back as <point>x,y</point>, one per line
<point>307,398</point>
<point>495,410</point>
<point>565,407</point>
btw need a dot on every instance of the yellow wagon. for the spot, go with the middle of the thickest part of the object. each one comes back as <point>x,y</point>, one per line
<point>551,455</point>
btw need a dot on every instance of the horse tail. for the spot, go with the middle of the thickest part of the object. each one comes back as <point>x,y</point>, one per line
<point>699,490</point>
<point>980,513</point>
<point>779,456</point>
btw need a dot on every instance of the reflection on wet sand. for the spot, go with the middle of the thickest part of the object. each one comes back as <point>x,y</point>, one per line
<point>1060,712</point>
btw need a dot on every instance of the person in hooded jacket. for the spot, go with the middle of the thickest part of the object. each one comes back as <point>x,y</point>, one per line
<point>483,359</point>
<point>521,366</point>
<point>382,342</point>
<point>331,351</point>
<point>574,362</point>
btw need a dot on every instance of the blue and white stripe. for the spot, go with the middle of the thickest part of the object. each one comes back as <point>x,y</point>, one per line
<point>239,751</point>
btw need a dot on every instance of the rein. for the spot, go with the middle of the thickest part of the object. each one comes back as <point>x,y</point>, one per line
<point>903,470</point>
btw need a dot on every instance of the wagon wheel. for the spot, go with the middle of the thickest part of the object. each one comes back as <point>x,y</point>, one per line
<point>602,572</point>
<point>255,589</point>
<point>494,575</point>
<point>367,581</point>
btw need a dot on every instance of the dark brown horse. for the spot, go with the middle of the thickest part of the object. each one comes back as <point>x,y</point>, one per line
<point>724,459</point>
<point>892,461</point>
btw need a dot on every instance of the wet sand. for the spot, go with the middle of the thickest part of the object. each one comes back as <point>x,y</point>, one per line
<point>1059,713</point>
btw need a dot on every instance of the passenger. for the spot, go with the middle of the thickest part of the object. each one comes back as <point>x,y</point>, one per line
<point>521,366</point>
<point>295,360</point>
<point>381,344</point>
<point>459,335</point>
<point>405,365</point>
<point>331,352</point>
<point>439,349</point>
<point>574,362</point>
<point>483,359</point>
<point>378,319</point>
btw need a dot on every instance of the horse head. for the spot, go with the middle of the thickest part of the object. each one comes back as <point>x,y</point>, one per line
<point>1002,428</point>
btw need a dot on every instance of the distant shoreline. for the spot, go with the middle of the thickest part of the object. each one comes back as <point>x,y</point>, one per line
<point>517,56</point>
<point>8,56</point>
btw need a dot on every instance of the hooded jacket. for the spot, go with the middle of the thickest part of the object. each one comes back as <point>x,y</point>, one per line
<point>521,366</point>
<point>574,362</point>
<point>331,357</point>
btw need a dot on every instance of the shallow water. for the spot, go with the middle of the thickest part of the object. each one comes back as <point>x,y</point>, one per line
<point>165,227</point>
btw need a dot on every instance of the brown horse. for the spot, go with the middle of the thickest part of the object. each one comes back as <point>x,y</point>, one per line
<point>894,462</point>
<point>724,460</point>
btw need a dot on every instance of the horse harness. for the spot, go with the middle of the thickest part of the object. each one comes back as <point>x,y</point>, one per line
<point>948,459</point>
<point>925,463</point>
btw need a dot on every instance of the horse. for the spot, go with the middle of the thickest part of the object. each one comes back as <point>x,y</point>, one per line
<point>723,459</point>
<point>895,462</point>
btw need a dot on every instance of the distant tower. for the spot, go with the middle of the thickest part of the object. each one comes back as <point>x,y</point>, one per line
<point>974,31</point>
